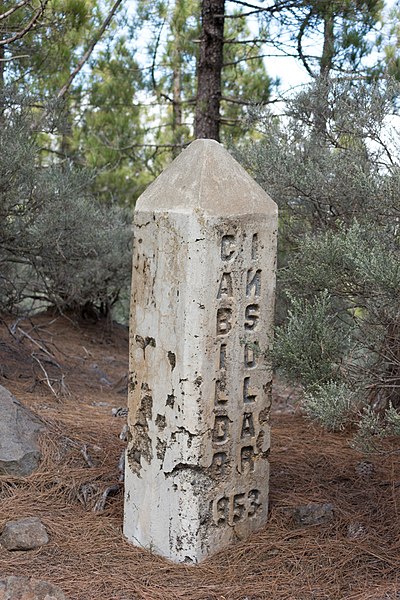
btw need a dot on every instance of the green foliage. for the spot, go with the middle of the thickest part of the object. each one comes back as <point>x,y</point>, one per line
<point>56,245</point>
<point>110,129</point>
<point>245,81</point>
<point>80,252</point>
<point>338,192</point>
<point>43,58</point>
<point>332,405</point>
<point>311,344</point>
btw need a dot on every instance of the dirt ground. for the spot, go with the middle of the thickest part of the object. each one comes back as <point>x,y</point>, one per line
<point>73,376</point>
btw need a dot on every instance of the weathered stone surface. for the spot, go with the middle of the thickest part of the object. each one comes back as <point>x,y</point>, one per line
<point>27,588</point>
<point>19,428</point>
<point>199,393</point>
<point>313,514</point>
<point>24,534</point>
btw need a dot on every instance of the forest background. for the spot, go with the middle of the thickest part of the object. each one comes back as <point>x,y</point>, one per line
<point>97,97</point>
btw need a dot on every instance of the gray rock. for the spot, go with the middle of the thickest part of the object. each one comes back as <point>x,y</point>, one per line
<point>19,428</point>
<point>24,534</point>
<point>313,514</point>
<point>365,469</point>
<point>27,588</point>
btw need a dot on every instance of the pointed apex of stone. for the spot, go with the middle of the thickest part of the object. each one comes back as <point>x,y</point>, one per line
<point>205,177</point>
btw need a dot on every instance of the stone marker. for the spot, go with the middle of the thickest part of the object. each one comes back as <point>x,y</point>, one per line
<point>199,390</point>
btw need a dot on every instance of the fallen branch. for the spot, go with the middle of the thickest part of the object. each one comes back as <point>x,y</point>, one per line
<point>89,51</point>
<point>101,502</point>
<point>45,375</point>
<point>86,456</point>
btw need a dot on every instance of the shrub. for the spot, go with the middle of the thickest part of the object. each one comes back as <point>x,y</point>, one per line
<point>338,189</point>
<point>57,245</point>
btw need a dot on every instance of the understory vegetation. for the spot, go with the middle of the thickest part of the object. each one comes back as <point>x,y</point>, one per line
<point>333,167</point>
<point>58,246</point>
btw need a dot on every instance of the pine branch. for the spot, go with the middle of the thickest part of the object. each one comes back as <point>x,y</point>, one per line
<point>90,49</point>
<point>32,23</point>
<point>12,10</point>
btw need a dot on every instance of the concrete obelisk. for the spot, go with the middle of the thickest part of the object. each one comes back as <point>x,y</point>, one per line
<point>199,388</point>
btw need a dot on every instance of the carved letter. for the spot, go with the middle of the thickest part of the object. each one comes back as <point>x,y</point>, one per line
<point>220,393</point>
<point>253,283</point>
<point>221,429</point>
<point>247,459</point>
<point>247,425</point>
<point>225,287</point>
<point>219,461</point>
<point>222,356</point>
<point>221,507</point>
<point>238,507</point>
<point>224,324</point>
<point>254,502</point>
<point>249,394</point>
<point>251,352</point>
<point>228,247</point>
<point>252,315</point>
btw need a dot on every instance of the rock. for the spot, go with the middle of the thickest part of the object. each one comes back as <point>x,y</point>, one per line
<point>27,588</point>
<point>19,428</point>
<point>313,514</point>
<point>25,534</point>
<point>365,469</point>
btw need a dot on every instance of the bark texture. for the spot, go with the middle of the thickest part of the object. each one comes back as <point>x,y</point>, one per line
<point>207,117</point>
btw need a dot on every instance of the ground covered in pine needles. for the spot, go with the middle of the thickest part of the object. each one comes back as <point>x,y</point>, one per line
<point>73,375</point>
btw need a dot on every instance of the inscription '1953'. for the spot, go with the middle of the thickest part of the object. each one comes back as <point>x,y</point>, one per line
<point>230,510</point>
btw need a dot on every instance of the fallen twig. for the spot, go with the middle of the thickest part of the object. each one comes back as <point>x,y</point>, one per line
<point>45,375</point>
<point>86,456</point>
<point>101,502</point>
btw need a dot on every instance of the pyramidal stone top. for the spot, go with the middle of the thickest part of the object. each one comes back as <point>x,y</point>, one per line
<point>207,178</point>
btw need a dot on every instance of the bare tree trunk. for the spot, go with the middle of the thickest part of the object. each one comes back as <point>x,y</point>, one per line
<point>209,70</point>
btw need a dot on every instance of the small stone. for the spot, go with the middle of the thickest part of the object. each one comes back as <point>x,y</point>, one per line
<point>24,534</point>
<point>365,469</point>
<point>313,514</point>
<point>27,588</point>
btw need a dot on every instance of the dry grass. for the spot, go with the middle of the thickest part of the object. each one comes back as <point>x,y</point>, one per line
<point>87,555</point>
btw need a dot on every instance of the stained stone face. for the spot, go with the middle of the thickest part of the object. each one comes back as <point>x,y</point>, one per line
<point>200,388</point>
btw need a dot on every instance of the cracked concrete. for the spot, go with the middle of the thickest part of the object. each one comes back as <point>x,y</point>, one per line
<point>199,395</point>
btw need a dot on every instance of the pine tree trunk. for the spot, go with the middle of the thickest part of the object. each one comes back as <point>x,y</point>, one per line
<point>209,70</point>
<point>177,54</point>
<point>2,69</point>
